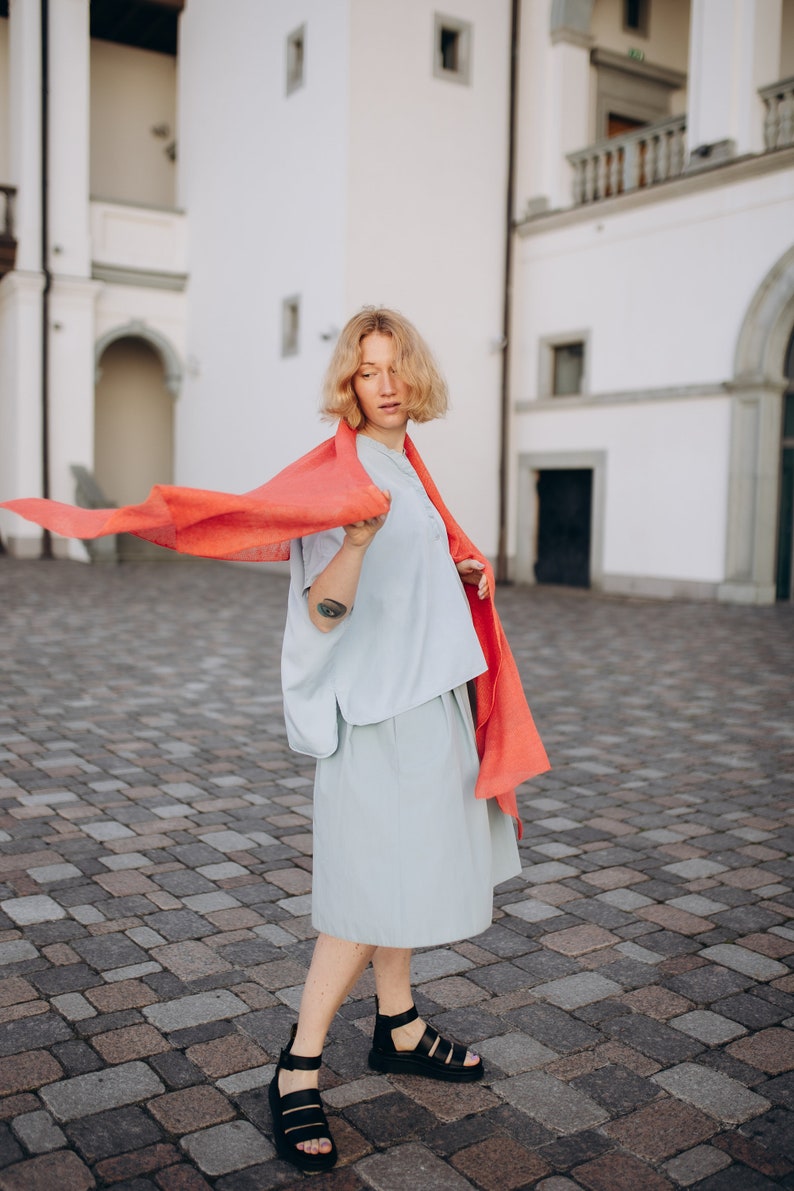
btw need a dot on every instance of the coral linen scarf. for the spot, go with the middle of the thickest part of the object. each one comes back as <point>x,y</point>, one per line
<point>324,489</point>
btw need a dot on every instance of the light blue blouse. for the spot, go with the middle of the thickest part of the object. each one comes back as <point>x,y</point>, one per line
<point>409,636</point>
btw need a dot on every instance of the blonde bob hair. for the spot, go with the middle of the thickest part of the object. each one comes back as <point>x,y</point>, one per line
<point>413,361</point>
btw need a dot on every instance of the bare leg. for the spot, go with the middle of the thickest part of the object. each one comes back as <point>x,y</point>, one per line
<point>336,966</point>
<point>392,967</point>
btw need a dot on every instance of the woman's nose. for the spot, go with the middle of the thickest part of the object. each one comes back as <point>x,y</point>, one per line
<point>387,383</point>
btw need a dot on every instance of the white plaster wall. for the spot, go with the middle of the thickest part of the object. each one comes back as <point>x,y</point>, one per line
<point>5,157</point>
<point>663,289</point>
<point>263,177</point>
<point>666,481</point>
<point>426,209</point>
<point>132,91</point>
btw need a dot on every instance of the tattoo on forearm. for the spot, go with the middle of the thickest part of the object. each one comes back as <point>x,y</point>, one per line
<point>332,609</point>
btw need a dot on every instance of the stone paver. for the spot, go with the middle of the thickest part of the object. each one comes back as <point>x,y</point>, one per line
<point>633,1000</point>
<point>712,1091</point>
<point>228,1147</point>
<point>110,1087</point>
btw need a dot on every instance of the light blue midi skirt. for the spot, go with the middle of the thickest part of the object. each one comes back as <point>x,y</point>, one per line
<point>405,855</point>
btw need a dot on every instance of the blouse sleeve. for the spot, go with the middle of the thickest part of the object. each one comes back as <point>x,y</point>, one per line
<point>318,549</point>
<point>307,656</point>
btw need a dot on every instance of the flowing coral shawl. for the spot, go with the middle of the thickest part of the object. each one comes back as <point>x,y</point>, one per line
<point>325,489</point>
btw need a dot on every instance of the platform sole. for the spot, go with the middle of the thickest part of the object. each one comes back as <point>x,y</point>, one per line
<point>409,1063</point>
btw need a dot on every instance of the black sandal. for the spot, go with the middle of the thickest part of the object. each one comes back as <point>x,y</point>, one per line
<point>448,1060</point>
<point>305,1109</point>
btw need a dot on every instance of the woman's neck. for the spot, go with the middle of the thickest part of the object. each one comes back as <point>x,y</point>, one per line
<point>393,439</point>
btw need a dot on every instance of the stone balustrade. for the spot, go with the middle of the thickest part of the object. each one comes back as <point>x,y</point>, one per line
<point>617,165</point>
<point>778,101</point>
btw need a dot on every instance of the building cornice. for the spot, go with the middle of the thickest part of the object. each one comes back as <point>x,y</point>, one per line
<point>742,169</point>
<point>623,397</point>
<point>141,278</point>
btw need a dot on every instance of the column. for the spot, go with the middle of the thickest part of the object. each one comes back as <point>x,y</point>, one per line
<point>24,72</point>
<point>20,290</point>
<point>734,48</point>
<point>554,99</point>
<point>73,295</point>
<point>69,131</point>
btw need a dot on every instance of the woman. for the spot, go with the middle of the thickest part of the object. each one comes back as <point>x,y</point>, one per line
<point>414,807</point>
<point>380,637</point>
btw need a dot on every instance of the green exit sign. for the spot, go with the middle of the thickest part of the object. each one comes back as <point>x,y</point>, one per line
<point>637,55</point>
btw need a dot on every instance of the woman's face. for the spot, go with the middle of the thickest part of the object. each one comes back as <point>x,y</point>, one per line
<point>382,394</point>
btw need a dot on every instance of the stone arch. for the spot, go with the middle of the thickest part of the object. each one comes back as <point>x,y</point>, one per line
<point>137,329</point>
<point>766,329</point>
<point>757,393</point>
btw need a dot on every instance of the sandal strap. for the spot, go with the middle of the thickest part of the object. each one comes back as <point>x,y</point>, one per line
<point>452,1054</point>
<point>400,1019</point>
<point>302,1116</point>
<point>290,1062</point>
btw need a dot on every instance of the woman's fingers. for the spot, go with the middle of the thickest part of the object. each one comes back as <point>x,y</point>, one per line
<point>473,572</point>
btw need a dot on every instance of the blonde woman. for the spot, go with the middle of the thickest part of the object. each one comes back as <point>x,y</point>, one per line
<point>379,648</point>
<point>390,625</point>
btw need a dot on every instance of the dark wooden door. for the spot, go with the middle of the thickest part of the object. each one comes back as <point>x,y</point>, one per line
<point>565,498</point>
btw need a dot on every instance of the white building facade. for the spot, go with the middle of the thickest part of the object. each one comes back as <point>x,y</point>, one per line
<point>604,266</point>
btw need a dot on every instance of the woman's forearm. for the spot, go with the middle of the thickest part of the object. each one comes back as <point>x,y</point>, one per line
<point>333,592</point>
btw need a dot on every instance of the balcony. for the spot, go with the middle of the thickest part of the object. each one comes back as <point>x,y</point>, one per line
<point>779,118</point>
<point>8,245</point>
<point>138,245</point>
<point>620,164</point>
<point>657,152</point>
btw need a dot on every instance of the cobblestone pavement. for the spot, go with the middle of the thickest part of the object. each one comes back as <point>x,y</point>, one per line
<point>633,1000</point>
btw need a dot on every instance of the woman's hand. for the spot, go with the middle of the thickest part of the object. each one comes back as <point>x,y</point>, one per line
<point>361,533</point>
<point>473,572</point>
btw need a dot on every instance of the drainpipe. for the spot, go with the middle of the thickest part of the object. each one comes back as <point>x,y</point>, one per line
<point>507,298</point>
<point>46,539</point>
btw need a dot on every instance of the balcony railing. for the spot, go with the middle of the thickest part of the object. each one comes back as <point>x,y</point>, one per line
<point>8,245</point>
<point>779,118</point>
<point>624,163</point>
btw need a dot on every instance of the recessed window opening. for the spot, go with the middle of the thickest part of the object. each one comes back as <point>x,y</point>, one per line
<point>636,15</point>
<point>568,369</point>
<point>452,49</point>
<point>290,326</point>
<point>296,59</point>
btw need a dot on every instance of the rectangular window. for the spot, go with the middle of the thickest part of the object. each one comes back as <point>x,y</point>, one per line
<point>296,59</point>
<point>290,326</point>
<point>452,49</point>
<point>568,369</point>
<point>636,16</point>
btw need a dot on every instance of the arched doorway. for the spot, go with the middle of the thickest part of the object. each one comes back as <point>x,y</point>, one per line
<point>133,426</point>
<point>785,538</point>
<point>758,393</point>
